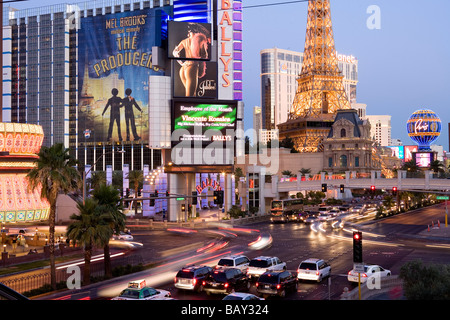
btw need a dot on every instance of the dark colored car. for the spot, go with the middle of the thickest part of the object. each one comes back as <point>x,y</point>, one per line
<point>191,278</point>
<point>226,281</point>
<point>276,283</point>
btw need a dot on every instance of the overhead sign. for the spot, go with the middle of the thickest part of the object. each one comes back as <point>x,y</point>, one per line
<point>442,198</point>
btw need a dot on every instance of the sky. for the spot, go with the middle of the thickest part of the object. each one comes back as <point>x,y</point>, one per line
<point>403,66</point>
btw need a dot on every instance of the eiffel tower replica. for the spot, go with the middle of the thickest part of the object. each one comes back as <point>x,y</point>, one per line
<point>320,91</point>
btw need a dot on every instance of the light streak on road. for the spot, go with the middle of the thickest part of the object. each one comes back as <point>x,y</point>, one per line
<point>94,259</point>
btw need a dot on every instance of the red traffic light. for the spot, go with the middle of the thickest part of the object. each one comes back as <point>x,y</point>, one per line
<point>372,188</point>
<point>394,189</point>
<point>356,236</point>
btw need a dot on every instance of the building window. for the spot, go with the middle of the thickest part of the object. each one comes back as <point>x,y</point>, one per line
<point>343,160</point>
<point>356,161</point>
<point>343,133</point>
<point>330,162</point>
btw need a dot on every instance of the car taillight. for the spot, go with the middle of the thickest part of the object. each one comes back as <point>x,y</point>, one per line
<point>203,283</point>
<point>175,279</point>
<point>226,285</point>
<point>317,273</point>
<point>350,273</point>
<point>363,275</point>
<point>278,286</point>
<point>194,281</point>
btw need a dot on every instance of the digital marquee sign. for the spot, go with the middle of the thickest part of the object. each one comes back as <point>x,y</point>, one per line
<point>203,122</point>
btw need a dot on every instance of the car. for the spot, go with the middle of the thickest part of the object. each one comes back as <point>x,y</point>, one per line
<point>324,217</point>
<point>311,219</point>
<point>324,209</point>
<point>123,236</point>
<point>357,209</point>
<point>313,269</point>
<point>276,283</point>
<point>191,277</point>
<point>259,265</point>
<point>234,261</point>
<point>334,212</point>
<point>138,290</point>
<point>241,296</point>
<point>225,281</point>
<point>369,270</point>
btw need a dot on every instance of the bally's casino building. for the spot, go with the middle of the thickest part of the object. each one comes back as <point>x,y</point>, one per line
<point>101,76</point>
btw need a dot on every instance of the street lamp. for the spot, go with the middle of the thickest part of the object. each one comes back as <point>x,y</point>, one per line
<point>85,173</point>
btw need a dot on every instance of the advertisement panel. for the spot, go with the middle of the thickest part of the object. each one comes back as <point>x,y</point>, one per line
<point>189,40</point>
<point>206,122</point>
<point>397,151</point>
<point>114,68</point>
<point>409,152</point>
<point>423,159</point>
<point>201,84</point>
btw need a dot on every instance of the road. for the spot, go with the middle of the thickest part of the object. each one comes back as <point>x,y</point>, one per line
<point>390,243</point>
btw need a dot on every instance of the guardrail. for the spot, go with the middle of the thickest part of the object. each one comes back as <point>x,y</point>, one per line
<point>390,288</point>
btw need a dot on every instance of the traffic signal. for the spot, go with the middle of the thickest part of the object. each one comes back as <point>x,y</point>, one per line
<point>341,188</point>
<point>324,187</point>
<point>357,247</point>
<point>167,193</point>
<point>394,191</point>
<point>152,201</point>
<point>372,188</point>
<point>183,207</point>
<point>220,200</point>
<point>156,193</point>
<point>194,195</point>
<point>216,197</point>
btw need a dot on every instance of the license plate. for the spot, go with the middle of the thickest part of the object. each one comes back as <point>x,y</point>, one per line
<point>267,286</point>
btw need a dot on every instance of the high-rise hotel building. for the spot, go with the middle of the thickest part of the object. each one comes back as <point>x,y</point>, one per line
<point>61,64</point>
<point>279,71</point>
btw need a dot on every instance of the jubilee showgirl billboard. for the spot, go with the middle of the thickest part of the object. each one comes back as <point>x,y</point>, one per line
<point>114,66</point>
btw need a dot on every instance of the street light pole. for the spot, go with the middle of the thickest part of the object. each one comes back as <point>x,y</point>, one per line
<point>185,198</point>
<point>85,173</point>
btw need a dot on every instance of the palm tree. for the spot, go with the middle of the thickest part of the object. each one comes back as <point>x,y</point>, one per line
<point>110,204</point>
<point>90,228</point>
<point>437,166</point>
<point>410,166</point>
<point>305,171</point>
<point>135,177</point>
<point>98,178</point>
<point>54,172</point>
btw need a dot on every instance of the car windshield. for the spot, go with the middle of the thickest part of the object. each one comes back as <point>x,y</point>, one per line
<point>226,262</point>
<point>277,205</point>
<point>185,274</point>
<point>128,293</point>
<point>268,278</point>
<point>307,266</point>
<point>259,263</point>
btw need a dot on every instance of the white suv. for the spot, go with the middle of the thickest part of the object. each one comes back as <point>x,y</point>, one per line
<point>313,269</point>
<point>259,265</point>
<point>236,261</point>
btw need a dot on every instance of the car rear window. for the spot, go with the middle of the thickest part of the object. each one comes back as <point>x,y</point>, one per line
<point>127,293</point>
<point>185,274</point>
<point>307,266</point>
<point>226,262</point>
<point>259,263</point>
<point>268,278</point>
<point>219,276</point>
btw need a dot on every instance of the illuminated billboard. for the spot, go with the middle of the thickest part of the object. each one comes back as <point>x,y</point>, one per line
<point>189,40</point>
<point>409,150</point>
<point>423,159</point>
<point>398,151</point>
<point>203,122</point>
<point>114,66</point>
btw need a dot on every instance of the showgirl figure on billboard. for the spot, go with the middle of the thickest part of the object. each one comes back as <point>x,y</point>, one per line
<point>115,103</point>
<point>195,46</point>
<point>128,102</point>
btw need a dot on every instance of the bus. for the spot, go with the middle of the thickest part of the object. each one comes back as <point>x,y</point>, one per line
<point>285,210</point>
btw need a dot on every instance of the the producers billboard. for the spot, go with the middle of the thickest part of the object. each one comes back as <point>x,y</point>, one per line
<point>114,66</point>
<point>203,122</point>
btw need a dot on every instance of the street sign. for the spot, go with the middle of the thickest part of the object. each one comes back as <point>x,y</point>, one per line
<point>180,199</point>
<point>358,267</point>
<point>442,197</point>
